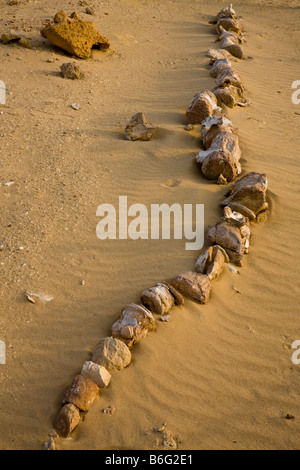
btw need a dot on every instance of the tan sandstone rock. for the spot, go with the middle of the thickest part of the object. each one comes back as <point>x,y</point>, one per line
<point>75,36</point>
<point>250,191</point>
<point>96,373</point>
<point>71,71</point>
<point>212,261</point>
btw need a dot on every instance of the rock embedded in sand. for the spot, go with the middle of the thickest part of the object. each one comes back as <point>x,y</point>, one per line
<point>193,285</point>
<point>203,104</point>
<point>67,420</point>
<point>71,71</point>
<point>134,324</point>
<point>112,353</point>
<point>82,393</point>
<point>96,373</point>
<point>222,158</point>
<point>212,261</point>
<point>250,191</point>
<point>161,298</point>
<point>11,37</point>
<point>75,36</point>
<point>60,17</point>
<point>139,128</point>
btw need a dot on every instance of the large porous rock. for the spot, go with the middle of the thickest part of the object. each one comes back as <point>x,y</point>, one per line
<point>203,104</point>
<point>67,420</point>
<point>233,238</point>
<point>112,353</point>
<point>82,393</point>
<point>231,42</point>
<point>71,71</point>
<point>222,159</point>
<point>230,96</point>
<point>226,12</point>
<point>96,373</point>
<point>250,191</point>
<point>212,261</point>
<point>214,125</point>
<point>161,298</point>
<point>75,36</point>
<point>139,128</point>
<point>134,324</point>
<point>193,285</point>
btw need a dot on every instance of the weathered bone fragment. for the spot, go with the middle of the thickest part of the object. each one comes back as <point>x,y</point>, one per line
<point>212,261</point>
<point>250,191</point>
<point>226,12</point>
<point>161,298</point>
<point>217,54</point>
<point>222,158</point>
<point>82,393</point>
<point>193,285</point>
<point>231,42</point>
<point>67,420</point>
<point>214,125</point>
<point>230,96</point>
<point>203,104</point>
<point>229,24</point>
<point>134,323</point>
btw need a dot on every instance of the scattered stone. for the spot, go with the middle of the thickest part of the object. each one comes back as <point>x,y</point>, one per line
<point>60,17</point>
<point>165,318</point>
<point>203,104</point>
<point>212,261</point>
<point>214,125</point>
<point>249,191</point>
<point>82,393</point>
<point>67,420</point>
<point>161,298</point>
<point>11,37</point>
<point>96,373</point>
<point>232,269</point>
<point>134,324</point>
<point>31,297</point>
<point>24,42</point>
<point>89,11</point>
<point>189,127</point>
<point>53,434</point>
<point>109,410</point>
<point>76,106</point>
<point>112,353</point>
<point>75,36</point>
<point>139,128</point>
<point>193,285</point>
<point>50,445</point>
<point>290,417</point>
<point>222,158</point>
<point>71,71</point>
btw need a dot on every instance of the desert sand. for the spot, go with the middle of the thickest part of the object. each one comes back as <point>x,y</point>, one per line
<point>219,375</point>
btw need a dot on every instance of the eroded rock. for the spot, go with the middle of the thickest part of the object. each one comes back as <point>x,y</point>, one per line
<point>82,393</point>
<point>71,71</point>
<point>193,285</point>
<point>250,191</point>
<point>134,324</point>
<point>203,104</point>
<point>75,36</point>
<point>222,158</point>
<point>212,261</point>
<point>139,128</point>
<point>112,353</point>
<point>67,420</point>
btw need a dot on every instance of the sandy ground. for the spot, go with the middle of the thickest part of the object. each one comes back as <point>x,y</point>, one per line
<point>219,375</point>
